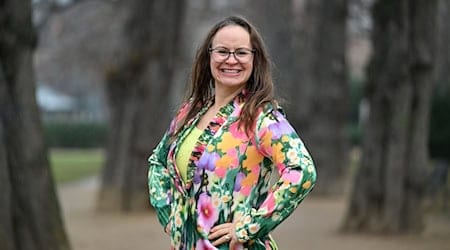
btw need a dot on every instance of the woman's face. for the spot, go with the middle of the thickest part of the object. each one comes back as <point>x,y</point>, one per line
<point>231,71</point>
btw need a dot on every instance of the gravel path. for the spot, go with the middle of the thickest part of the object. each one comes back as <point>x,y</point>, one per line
<point>313,226</point>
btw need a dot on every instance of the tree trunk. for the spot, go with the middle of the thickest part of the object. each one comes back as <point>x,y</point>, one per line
<point>443,55</point>
<point>137,90</point>
<point>29,210</point>
<point>319,90</point>
<point>390,182</point>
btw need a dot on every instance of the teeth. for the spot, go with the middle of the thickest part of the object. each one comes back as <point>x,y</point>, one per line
<point>231,70</point>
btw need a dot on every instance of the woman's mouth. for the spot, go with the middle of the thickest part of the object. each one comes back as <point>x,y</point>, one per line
<point>231,71</point>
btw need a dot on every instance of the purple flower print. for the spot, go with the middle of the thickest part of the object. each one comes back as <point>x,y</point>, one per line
<point>197,176</point>
<point>207,213</point>
<point>237,182</point>
<point>280,128</point>
<point>208,161</point>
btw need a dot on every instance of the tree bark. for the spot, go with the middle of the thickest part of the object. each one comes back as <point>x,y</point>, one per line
<point>137,89</point>
<point>319,91</point>
<point>390,182</point>
<point>29,210</point>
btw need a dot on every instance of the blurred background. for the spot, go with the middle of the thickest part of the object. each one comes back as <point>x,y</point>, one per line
<point>87,88</point>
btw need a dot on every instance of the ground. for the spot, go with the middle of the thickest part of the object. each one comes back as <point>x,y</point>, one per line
<point>314,225</point>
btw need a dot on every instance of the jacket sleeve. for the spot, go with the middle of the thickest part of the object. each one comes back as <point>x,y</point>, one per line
<point>159,181</point>
<point>278,142</point>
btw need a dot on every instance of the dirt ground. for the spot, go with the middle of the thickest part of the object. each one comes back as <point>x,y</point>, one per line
<point>314,226</point>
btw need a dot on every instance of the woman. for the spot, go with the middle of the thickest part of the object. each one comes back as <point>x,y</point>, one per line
<point>209,176</point>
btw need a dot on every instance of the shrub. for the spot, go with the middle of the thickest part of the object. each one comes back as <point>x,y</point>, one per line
<point>75,134</point>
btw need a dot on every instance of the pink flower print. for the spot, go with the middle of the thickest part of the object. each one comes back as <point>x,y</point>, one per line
<point>293,176</point>
<point>207,213</point>
<point>236,132</point>
<point>204,245</point>
<point>269,203</point>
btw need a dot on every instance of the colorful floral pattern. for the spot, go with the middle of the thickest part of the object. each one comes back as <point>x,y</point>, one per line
<point>229,176</point>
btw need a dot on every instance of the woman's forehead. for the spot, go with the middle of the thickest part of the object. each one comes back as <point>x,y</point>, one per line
<point>232,35</point>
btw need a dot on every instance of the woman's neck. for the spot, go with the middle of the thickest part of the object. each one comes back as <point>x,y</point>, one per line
<point>223,96</point>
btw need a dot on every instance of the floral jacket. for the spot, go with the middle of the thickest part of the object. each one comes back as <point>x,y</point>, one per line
<point>229,178</point>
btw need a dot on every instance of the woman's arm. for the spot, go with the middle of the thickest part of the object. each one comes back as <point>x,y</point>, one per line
<point>279,142</point>
<point>159,181</point>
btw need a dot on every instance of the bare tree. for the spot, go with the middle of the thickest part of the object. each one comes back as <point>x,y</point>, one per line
<point>390,182</point>
<point>319,90</point>
<point>29,210</point>
<point>137,90</point>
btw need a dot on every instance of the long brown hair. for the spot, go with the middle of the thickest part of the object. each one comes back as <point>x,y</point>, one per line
<point>259,85</point>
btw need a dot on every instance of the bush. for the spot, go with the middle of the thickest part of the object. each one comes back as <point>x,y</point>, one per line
<point>75,134</point>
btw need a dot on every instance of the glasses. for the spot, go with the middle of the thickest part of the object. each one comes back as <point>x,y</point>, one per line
<point>242,55</point>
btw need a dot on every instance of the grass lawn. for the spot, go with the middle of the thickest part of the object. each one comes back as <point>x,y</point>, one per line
<point>75,164</point>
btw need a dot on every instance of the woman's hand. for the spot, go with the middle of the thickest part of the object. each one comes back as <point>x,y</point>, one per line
<point>224,233</point>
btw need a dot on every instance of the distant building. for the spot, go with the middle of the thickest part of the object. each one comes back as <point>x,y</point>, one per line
<point>52,101</point>
<point>58,106</point>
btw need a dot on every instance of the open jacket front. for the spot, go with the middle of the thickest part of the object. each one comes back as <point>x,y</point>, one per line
<point>228,178</point>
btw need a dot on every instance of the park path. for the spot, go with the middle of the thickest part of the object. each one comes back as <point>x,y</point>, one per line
<point>313,226</point>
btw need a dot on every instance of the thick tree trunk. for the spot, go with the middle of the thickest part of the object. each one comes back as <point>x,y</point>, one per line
<point>138,90</point>
<point>390,182</point>
<point>29,211</point>
<point>319,90</point>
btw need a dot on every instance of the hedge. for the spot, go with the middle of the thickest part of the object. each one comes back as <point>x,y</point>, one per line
<point>75,134</point>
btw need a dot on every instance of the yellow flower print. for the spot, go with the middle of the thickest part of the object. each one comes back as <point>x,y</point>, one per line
<point>242,233</point>
<point>222,164</point>
<point>306,185</point>
<point>216,200</point>
<point>285,138</point>
<point>293,157</point>
<point>247,219</point>
<point>226,198</point>
<point>228,142</point>
<point>253,228</point>
<point>249,181</point>
<point>278,155</point>
<point>178,221</point>
<point>266,141</point>
<point>253,157</point>
<point>295,143</point>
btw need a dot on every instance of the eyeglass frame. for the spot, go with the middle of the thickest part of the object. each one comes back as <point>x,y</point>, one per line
<point>252,52</point>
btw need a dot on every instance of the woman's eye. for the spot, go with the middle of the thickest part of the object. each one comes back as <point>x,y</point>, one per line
<point>223,52</point>
<point>242,52</point>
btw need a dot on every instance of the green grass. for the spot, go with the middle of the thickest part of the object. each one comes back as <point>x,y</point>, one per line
<point>75,164</point>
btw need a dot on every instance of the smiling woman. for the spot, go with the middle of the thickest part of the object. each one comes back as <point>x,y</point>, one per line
<point>235,135</point>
